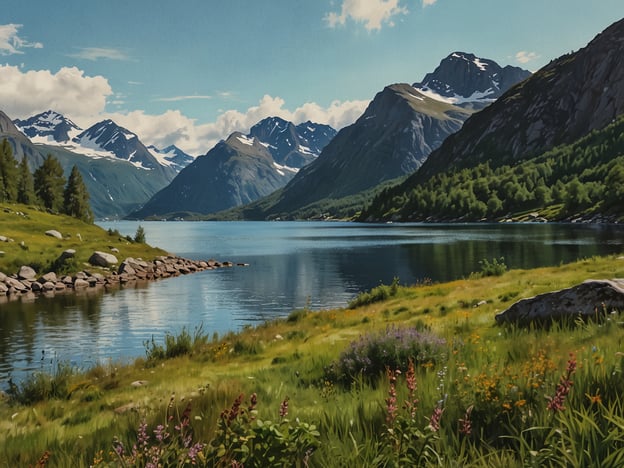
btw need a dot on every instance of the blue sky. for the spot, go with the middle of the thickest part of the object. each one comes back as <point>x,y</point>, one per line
<point>190,72</point>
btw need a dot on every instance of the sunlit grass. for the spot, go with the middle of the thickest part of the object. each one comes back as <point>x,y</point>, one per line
<point>504,373</point>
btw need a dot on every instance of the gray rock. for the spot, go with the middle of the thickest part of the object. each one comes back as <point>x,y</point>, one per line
<point>48,277</point>
<point>69,253</point>
<point>49,285</point>
<point>27,273</point>
<point>103,259</point>
<point>588,300</point>
<point>80,283</point>
<point>54,233</point>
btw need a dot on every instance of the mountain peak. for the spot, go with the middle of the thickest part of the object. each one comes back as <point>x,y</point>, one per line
<point>49,125</point>
<point>462,78</point>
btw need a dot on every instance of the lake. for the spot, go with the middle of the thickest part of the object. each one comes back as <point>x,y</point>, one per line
<point>291,265</point>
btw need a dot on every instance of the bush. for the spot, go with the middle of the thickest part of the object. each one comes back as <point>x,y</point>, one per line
<point>139,236</point>
<point>393,348</point>
<point>377,294</point>
<point>41,386</point>
<point>493,268</point>
<point>180,345</point>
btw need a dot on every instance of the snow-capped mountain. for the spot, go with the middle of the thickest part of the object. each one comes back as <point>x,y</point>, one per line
<point>48,127</point>
<point>171,156</point>
<point>105,139</point>
<point>240,169</point>
<point>466,80</point>
<point>292,145</point>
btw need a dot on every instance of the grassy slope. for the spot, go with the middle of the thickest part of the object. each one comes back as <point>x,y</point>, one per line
<point>286,358</point>
<point>27,224</point>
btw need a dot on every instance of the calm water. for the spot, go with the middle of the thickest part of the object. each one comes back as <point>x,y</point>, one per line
<point>291,265</point>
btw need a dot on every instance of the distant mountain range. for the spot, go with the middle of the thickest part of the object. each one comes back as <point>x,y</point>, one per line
<point>240,169</point>
<point>402,125</point>
<point>104,139</point>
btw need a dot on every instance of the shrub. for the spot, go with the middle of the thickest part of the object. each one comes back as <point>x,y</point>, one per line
<point>175,345</point>
<point>377,294</point>
<point>493,268</point>
<point>369,356</point>
<point>41,386</point>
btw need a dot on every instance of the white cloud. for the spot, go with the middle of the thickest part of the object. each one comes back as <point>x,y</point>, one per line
<point>373,13</point>
<point>525,57</point>
<point>427,3</point>
<point>97,53</point>
<point>173,127</point>
<point>11,43</point>
<point>83,99</point>
<point>68,91</point>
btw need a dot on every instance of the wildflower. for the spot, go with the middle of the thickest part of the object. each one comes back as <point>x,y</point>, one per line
<point>391,406</point>
<point>594,399</point>
<point>563,388</point>
<point>410,381</point>
<point>283,411</point>
<point>253,401</point>
<point>160,433</point>
<point>520,403</point>
<point>194,451</point>
<point>434,420</point>
<point>465,424</point>
<point>235,408</point>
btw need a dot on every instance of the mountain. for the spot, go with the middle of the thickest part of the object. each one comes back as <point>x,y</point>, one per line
<point>106,137</point>
<point>566,99</point>
<point>48,125</point>
<point>399,129</point>
<point>469,81</point>
<point>290,145</point>
<point>115,186</point>
<point>236,171</point>
<point>171,156</point>
<point>241,169</point>
<point>537,135</point>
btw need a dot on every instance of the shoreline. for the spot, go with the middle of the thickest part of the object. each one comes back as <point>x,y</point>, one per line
<point>27,283</point>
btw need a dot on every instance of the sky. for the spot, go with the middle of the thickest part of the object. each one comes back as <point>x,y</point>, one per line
<point>190,72</point>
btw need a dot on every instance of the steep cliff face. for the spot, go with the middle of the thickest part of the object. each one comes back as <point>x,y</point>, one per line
<point>568,98</point>
<point>392,138</point>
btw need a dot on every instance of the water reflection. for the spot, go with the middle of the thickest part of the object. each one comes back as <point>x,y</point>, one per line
<point>291,265</point>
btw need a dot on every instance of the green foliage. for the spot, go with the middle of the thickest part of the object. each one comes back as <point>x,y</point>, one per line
<point>76,198</point>
<point>182,344</point>
<point>8,172</point>
<point>49,183</point>
<point>586,177</point>
<point>25,184</point>
<point>41,386</point>
<point>377,294</point>
<point>491,268</point>
<point>139,236</point>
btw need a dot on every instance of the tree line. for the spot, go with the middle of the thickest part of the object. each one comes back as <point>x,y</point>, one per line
<point>581,178</point>
<point>47,186</point>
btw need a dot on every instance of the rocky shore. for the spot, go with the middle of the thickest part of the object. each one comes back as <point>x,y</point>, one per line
<point>28,282</point>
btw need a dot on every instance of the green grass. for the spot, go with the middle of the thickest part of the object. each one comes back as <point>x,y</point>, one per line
<point>501,377</point>
<point>26,226</point>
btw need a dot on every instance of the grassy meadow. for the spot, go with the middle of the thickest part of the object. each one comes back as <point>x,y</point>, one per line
<point>415,375</point>
<point>26,226</point>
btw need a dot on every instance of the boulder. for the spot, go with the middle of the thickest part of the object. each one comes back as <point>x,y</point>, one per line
<point>51,277</point>
<point>102,259</point>
<point>590,299</point>
<point>54,233</point>
<point>69,253</point>
<point>27,273</point>
<point>80,283</point>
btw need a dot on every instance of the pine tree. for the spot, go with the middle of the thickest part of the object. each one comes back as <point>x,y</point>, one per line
<point>8,173</point>
<point>25,184</point>
<point>49,183</point>
<point>76,197</point>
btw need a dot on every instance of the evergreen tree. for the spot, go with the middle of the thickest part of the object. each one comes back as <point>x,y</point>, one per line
<point>8,172</point>
<point>25,184</point>
<point>76,197</point>
<point>49,183</point>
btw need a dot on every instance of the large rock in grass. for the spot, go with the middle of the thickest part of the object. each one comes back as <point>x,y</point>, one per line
<point>590,299</point>
<point>26,273</point>
<point>54,233</point>
<point>103,259</point>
